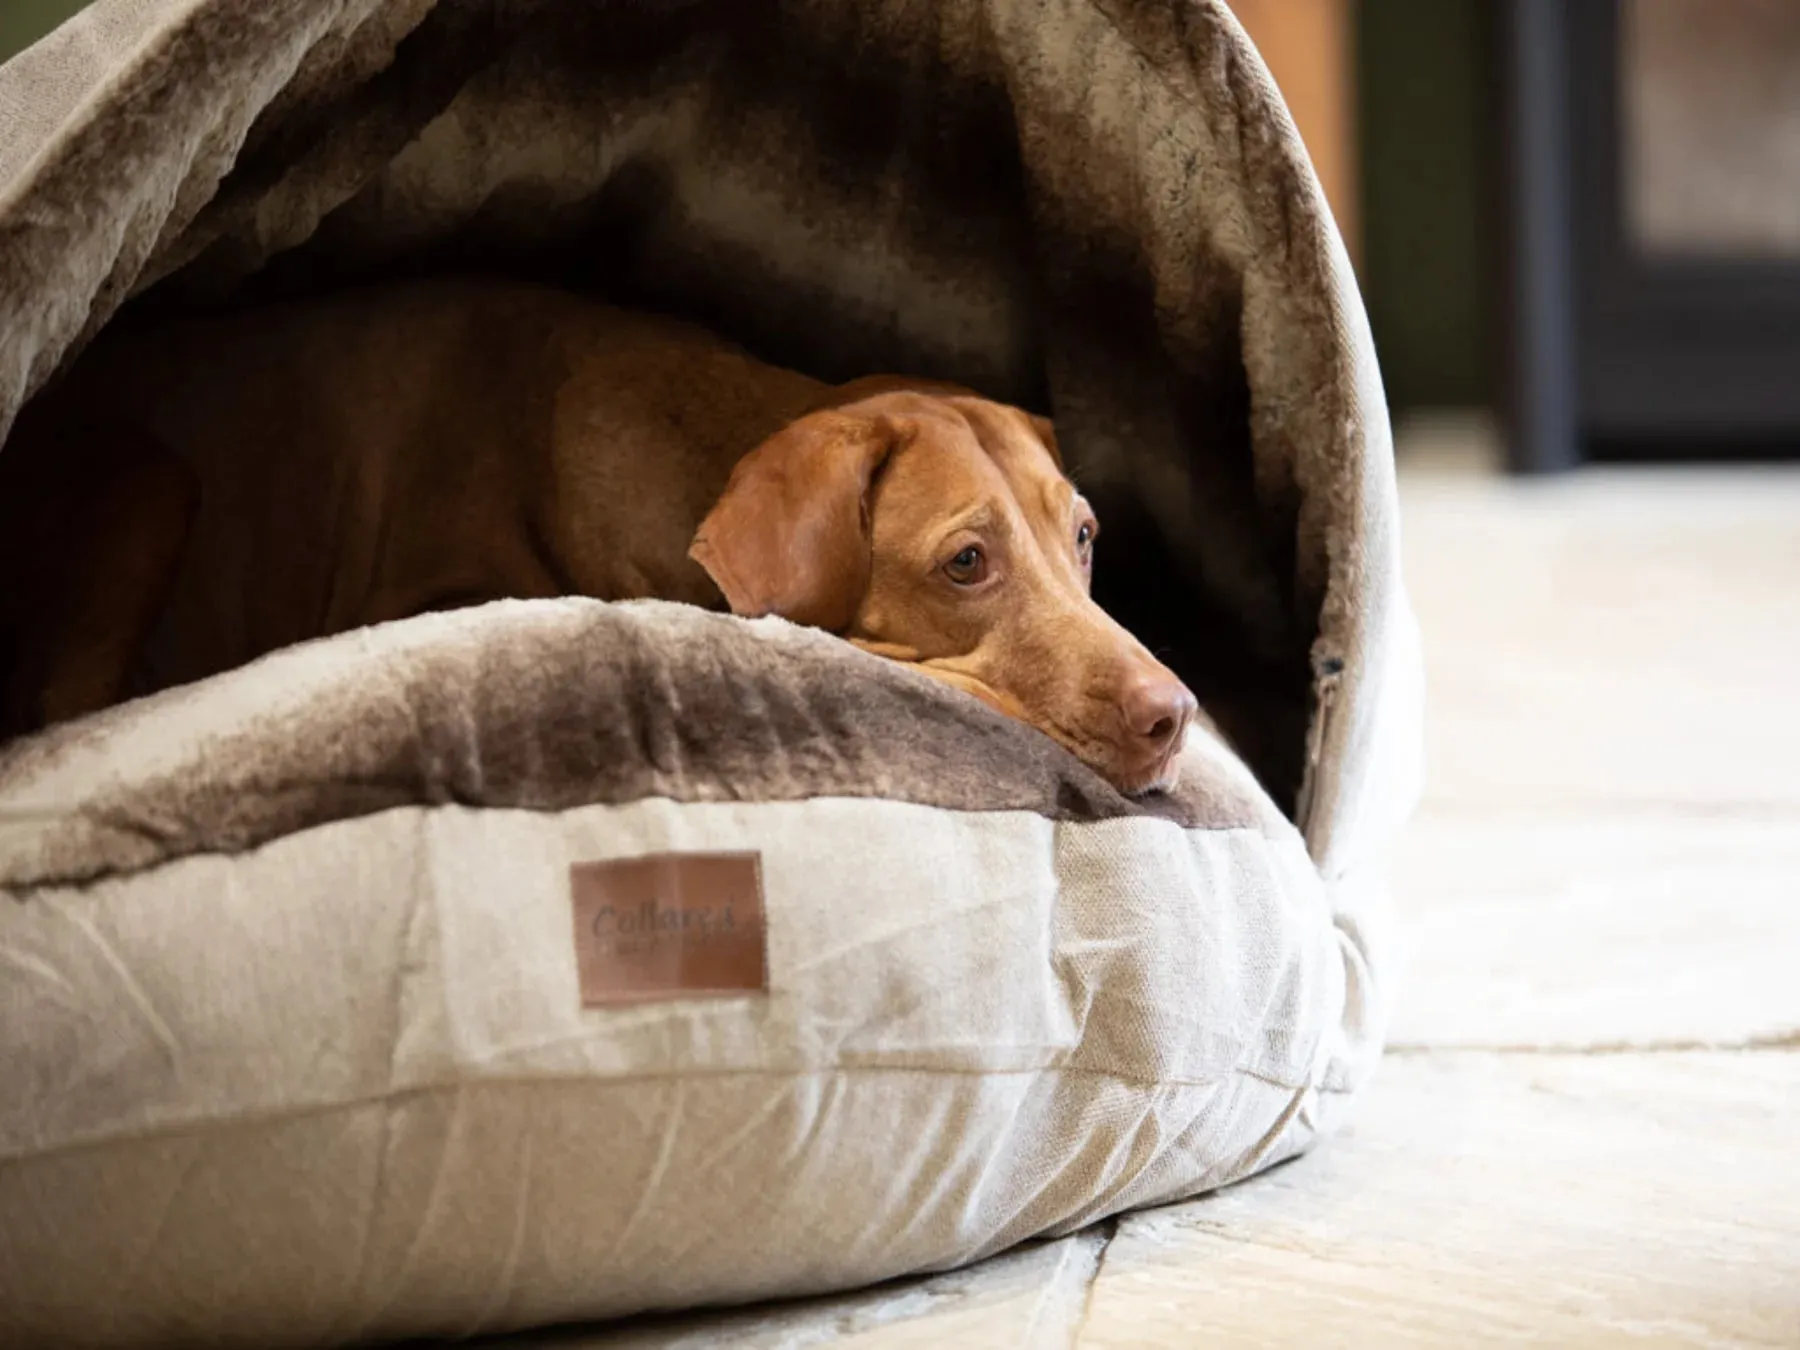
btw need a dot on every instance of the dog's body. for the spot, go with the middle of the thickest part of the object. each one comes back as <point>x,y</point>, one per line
<point>370,456</point>
<point>199,493</point>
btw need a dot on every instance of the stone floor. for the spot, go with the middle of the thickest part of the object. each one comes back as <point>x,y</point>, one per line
<point>1588,1130</point>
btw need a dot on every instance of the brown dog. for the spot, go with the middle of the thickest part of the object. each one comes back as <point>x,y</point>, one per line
<point>196,494</point>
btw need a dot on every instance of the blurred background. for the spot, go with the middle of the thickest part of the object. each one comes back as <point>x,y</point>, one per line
<point>1577,226</point>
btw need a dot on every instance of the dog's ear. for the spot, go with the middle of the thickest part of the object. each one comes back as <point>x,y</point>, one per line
<point>1046,432</point>
<point>790,534</point>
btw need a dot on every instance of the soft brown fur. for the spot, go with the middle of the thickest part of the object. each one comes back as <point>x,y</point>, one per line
<point>216,489</point>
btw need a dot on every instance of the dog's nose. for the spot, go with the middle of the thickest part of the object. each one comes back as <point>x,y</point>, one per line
<point>1158,709</point>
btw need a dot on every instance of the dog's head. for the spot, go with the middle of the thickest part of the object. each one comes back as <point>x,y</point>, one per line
<point>938,528</point>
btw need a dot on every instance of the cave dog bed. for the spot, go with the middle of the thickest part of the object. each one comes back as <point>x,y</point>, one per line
<point>294,1021</point>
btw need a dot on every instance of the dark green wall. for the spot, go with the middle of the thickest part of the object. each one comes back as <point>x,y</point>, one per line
<point>1424,82</point>
<point>23,22</point>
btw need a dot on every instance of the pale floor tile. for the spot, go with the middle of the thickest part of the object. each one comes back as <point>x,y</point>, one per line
<point>1609,849</point>
<point>1618,639</point>
<point>1028,1299</point>
<point>1640,928</point>
<point>1628,1200</point>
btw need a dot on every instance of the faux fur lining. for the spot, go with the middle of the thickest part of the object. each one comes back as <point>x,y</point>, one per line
<point>542,705</point>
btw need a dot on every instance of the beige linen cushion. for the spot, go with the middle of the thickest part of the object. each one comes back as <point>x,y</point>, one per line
<point>296,1052</point>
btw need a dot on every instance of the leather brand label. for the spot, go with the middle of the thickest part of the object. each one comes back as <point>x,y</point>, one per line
<point>670,925</point>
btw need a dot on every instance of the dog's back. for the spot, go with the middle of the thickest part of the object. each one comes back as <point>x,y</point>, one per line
<point>366,456</point>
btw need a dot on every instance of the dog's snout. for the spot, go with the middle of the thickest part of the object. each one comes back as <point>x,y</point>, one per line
<point>1158,708</point>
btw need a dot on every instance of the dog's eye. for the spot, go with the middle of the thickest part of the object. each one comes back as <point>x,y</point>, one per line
<point>1084,538</point>
<point>967,567</point>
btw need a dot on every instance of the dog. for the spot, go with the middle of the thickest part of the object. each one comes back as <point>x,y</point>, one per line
<point>197,492</point>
